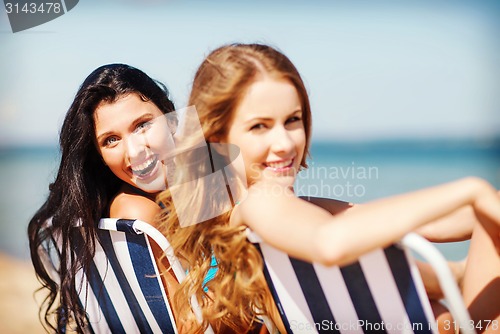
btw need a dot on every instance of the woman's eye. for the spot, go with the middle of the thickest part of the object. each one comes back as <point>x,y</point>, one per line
<point>258,126</point>
<point>294,119</point>
<point>110,141</point>
<point>143,126</point>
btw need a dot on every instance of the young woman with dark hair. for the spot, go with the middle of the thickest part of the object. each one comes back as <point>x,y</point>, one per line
<point>114,150</point>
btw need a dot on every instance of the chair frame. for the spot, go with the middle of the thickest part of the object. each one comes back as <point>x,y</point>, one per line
<point>118,238</point>
<point>294,283</point>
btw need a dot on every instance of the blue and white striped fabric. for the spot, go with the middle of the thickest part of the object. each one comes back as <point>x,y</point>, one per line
<point>381,293</point>
<point>122,292</point>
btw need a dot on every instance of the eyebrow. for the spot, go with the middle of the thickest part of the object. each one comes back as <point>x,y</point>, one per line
<point>258,119</point>
<point>261,119</point>
<point>104,135</point>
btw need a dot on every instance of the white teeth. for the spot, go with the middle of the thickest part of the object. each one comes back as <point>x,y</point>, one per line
<point>281,164</point>
<point>141,167</point>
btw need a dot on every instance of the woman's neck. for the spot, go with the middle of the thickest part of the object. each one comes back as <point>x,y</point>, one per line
<point>128,188</point>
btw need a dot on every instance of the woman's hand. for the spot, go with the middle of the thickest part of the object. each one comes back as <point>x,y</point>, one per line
<point>430,279</point>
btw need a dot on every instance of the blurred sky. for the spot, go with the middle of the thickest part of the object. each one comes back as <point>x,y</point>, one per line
<point>374,69</point>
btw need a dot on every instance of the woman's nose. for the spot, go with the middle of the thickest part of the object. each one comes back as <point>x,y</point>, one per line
<point>135,148</point>
<point>281,140</point>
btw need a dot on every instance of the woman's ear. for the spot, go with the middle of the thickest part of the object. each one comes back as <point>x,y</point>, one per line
<point>215,139</point>
<point>218,145</point>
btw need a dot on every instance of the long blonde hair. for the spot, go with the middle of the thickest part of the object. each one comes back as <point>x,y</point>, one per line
<point>238,292</point>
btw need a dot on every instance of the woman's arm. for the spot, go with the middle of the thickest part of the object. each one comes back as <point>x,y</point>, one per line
<point>311,233</point>
<point>456,226</point>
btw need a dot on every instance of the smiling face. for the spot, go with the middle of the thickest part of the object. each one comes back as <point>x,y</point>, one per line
<point>267,126</point>
<point>134,140</point>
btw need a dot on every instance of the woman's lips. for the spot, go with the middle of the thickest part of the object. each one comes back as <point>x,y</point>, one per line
<point>145,169</point>
<point>279,166</point>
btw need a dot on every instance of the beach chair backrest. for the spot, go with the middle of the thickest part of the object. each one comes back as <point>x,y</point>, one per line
<point>380,293</point>
<point>122,291</point>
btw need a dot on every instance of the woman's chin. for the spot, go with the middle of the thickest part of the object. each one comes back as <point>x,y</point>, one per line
<point>285,178</point>
<point>152,185</point>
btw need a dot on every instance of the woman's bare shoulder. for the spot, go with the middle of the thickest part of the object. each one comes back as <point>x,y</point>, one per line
<point>127,205</point>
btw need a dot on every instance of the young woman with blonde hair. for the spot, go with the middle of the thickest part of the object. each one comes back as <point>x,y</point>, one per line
<point>252,96</point>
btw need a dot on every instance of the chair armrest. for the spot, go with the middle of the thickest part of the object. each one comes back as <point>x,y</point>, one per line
<point>452,294</point>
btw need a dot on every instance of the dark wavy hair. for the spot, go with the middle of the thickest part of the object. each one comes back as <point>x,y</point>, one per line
<point>82,190</point>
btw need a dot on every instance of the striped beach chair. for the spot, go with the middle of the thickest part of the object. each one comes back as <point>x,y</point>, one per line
<point>380,293</point>
<point>122,292</point>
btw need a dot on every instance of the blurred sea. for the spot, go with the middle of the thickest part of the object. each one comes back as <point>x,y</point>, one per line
<point>355,172</point>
